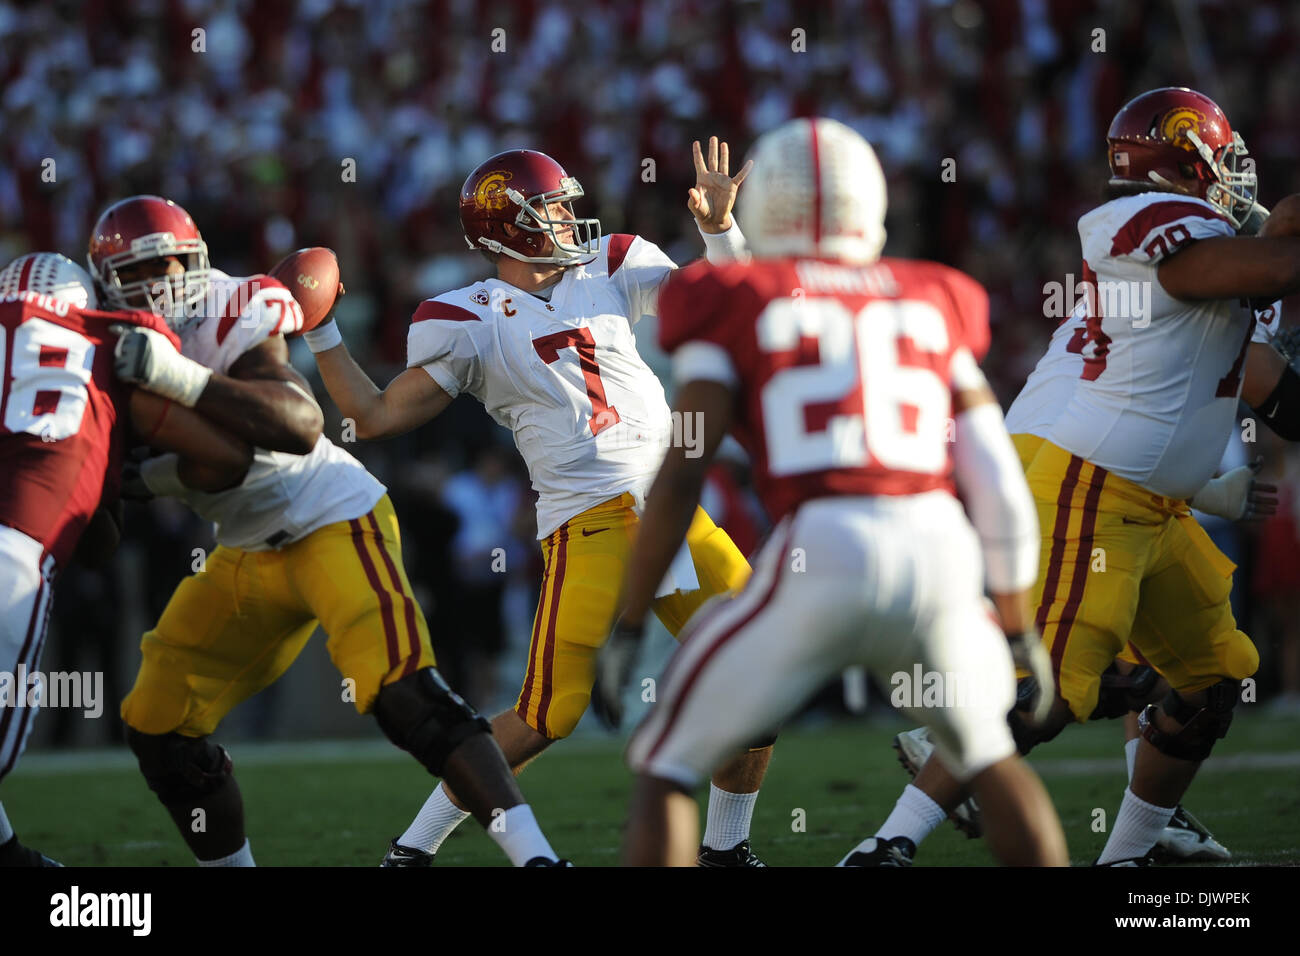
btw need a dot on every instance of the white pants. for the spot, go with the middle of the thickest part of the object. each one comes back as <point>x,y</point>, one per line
<point>26,587</point>
<point>893,584</point>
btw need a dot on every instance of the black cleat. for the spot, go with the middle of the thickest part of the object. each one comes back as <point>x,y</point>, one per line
<point>738,855</point>
<point>13,853</point>
<point>543,861</point>
<point>896,851</point>
<point>399,855</point>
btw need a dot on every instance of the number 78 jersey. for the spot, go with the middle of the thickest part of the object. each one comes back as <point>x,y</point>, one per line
<point>1160,377</point>
<point>844,375</point>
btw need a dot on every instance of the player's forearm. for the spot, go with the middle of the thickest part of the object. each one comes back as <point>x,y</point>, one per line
<point>668,513</point>
<point>357,397</point>
<point>207,456</point>
<point>1015,612</point>
<point>1228,267</point>
<point>1001,508</point>
<point>275,414</point>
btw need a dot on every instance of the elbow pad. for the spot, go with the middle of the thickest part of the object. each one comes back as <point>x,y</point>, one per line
<point>1281,410</point>
<point>992,484</point>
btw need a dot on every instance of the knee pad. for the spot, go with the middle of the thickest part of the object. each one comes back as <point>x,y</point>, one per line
<point>179,769</point>
<point>1202,727</point>
<point>1026,735</point>
<point>1121,693</point>
<point>426,718</point>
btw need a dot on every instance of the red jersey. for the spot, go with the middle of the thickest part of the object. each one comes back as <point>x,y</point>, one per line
<point>843,374</point>
<point>59,405</point>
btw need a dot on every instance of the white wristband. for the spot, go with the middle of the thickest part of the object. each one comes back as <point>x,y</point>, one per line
<point>323,337</point>
<point>721,248</point>
<point>180,379</point>
<point>161,475</point>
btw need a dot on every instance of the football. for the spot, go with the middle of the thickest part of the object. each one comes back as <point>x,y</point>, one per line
<point>312,275</point>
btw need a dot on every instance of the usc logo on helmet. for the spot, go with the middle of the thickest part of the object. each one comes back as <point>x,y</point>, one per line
<point>1179,121</point>
<point>489,192</point>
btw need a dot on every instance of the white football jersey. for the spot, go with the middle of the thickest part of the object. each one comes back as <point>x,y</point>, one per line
<point>588,416</point>
<point>284,497</point>
<point>1160,379</point>
<point>1051,384</point>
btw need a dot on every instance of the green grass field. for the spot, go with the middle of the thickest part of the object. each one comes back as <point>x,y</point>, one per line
<point>337,804</point>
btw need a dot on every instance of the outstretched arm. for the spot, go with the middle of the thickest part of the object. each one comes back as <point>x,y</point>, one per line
<point>1266,266</point>
<point>410,400</point>
<point>262,400</point>
<point>671,502</point>
<point>208,457</point>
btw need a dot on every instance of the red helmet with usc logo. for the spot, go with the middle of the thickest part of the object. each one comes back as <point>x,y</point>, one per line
<point>149,229</point>
<point>518,188</point>
<point>1180,140</point>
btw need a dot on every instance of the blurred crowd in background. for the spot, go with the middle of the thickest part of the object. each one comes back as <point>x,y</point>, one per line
<point>352,123</point>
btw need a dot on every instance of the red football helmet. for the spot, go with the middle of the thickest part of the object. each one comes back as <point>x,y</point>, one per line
<point>1181,141</point>
<point>148,229</point>
<point>518,187</point>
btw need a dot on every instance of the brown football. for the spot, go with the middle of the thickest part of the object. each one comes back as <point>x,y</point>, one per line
<point>312,275</point>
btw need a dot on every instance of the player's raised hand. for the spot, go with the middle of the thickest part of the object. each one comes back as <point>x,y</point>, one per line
<point>714,193</point>
<point>613,672</point>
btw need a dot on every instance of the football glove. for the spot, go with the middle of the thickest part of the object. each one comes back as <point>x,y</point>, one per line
<point>1236,495</point>
<point>149,359</point>
<point>1030,655</point>
<point>614,671</point>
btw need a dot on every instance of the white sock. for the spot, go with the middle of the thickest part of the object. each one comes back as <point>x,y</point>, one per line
<point>241,857</point>
<point>1137,827</point>
<point>6,828</point>
<point>728,819</point>
<point>434,823</point>
<point>517,833</point>
<point>1131,755</point>
<point>914,816</point>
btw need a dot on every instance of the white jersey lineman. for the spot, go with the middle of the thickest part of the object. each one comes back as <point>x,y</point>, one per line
<point>284,497</point>
<point>533,364</point>
<point>1161,413</point>
<point>1050,386</point>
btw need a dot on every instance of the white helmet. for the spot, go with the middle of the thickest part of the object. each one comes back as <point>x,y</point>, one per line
<point>49,273</point>
<point>816,190</point>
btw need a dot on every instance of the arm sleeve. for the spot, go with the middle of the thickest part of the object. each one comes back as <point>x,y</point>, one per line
<point>970,308</point>
<point>444,348</point>
<point>725,247</point>
<point>1001,508</point>
<point>693,307</point>
<point>641,270</point>
<point>1159,229</point>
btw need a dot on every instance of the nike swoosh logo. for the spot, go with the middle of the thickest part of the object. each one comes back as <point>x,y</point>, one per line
<point>588,534</point>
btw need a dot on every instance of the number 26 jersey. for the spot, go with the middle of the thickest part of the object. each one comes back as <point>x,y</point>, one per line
<point>843,375</point>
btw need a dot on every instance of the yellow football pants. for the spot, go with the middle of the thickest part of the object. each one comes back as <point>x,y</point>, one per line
<point>1121,564</point>
<point>236,626</point>
<point>585,560</point>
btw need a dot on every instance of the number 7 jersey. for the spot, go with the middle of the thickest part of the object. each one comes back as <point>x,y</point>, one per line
<point>564,375</point>
<point>843,374</point>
